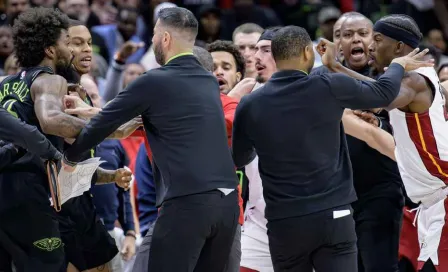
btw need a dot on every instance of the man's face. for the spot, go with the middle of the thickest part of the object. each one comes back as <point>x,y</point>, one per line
<point>131,73</point>
<point>443,75</point>
<point>337,35</point>
<point>224,69</point>
<point>435,37</point>
<point>381,51</point>
<point>264,62</point>
<point>81,43</point>
<point>64,55</point>
<point>12,66</point>
<point>77,9</point>
<point>246,44</point>
<point>327,29</point>
<point>157,42</point>
<point>211,23</point>
<point>6,43</point>
<point>356,36</point>
<point>127,24</point>
<point>17,6</point>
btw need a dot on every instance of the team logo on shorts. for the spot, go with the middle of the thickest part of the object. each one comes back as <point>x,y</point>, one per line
<point>48,244</point>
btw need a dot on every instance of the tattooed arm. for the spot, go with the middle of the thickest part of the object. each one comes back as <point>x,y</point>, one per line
<point>122,177</point>
<point>105,176</point>
<point>48,92</point>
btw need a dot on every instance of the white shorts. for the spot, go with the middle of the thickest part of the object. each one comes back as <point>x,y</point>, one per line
<point>255,248</point>
<point>433,235</point>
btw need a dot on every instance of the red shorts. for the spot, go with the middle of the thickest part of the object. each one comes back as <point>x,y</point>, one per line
<point>409,247</point>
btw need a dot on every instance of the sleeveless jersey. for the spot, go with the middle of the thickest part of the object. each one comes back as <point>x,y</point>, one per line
<point>15,97</point>
<point>422,143</point>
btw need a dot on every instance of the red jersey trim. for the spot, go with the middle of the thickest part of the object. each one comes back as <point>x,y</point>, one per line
<point>422,135</point>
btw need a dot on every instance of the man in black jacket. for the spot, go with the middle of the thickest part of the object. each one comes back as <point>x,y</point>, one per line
<point>376,178</point>
<point>303,156</point>
<point>193,168</point>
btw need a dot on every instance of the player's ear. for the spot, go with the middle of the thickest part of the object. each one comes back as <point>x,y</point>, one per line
<point>308,52</point>
<point>50,52</point>
<point>399,47</point>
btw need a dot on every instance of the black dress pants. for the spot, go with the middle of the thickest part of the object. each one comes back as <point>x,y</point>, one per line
<point>378,225</point>
<point>323,241</point>
<point>194,233</point>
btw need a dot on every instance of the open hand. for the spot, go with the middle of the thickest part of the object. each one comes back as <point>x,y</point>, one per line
<point>123,178</point>
<point>128,250</point>
<point>414,60</point>
<point>74,101</point>
<point>243,88</point>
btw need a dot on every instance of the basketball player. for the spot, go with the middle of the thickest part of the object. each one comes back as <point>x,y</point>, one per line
<point>35,96</point>
<point>87,243</point>
<point>419,118</point>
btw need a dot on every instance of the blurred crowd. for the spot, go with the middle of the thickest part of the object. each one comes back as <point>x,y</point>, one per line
<point>113,22</point>
<point>121,43</point>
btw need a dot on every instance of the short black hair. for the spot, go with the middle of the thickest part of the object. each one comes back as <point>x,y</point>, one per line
<point>35,30</point>
<point>289,42</point>
<point>247,28</point>
<point>229,47</point>
<point>75,22</point>
<point>180,19</point>
<point>204,57</point>
<point>433,51</point>
<point>403,22</point>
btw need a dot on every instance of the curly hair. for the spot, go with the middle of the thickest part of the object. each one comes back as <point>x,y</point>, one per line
<point>229,47</point>
<point>35,30</point>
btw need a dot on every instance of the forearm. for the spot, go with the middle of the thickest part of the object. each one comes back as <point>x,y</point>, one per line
<point>339,68</point>
<point>114,81</point>
<point>375,137</point>
<point>105,176</point>
<point>126,217</point>
<point>62,125</point>
<point>124,107</point>
<point>359,94</point>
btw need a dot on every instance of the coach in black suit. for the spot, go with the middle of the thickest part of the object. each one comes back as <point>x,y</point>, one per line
<point>195,177</point>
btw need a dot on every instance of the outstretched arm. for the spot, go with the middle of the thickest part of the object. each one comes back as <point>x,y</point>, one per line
<point>375,137</point>
<point>48,92</point>
<point>28,137</point>
<point>127,105</point>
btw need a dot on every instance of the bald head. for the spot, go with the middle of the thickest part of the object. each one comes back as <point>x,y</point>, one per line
<point>204,58</point>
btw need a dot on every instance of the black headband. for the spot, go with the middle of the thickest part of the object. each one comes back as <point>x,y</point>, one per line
<point>396,34</point>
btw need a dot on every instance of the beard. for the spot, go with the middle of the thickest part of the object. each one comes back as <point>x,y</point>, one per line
<point>158,53</point>
<point>260,79</point>
<point>68,72</point>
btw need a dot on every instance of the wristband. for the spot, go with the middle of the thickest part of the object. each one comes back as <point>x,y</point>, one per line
<point>118,59</point>
<point>66,161</point>
<point>131,235</point>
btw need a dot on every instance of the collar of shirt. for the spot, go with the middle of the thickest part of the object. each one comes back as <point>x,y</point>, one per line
<point>179,55</point>
<point>288,73</point>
